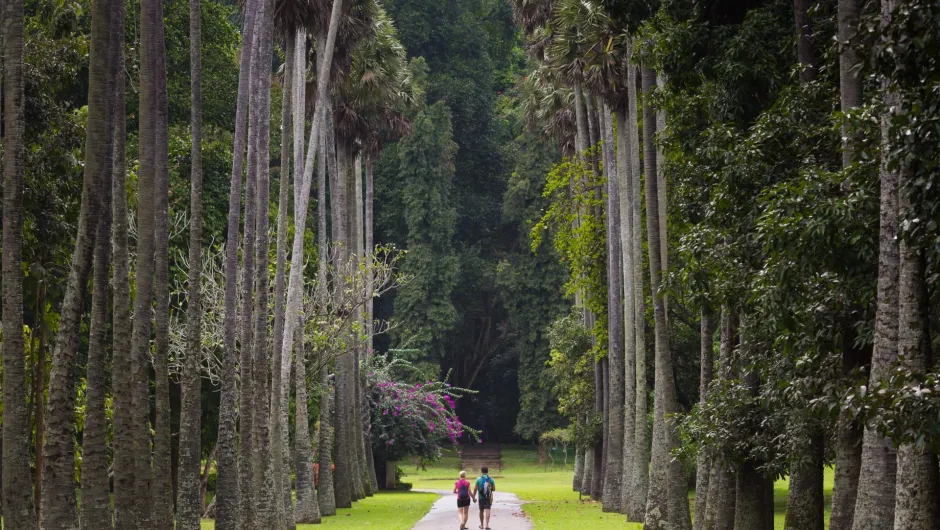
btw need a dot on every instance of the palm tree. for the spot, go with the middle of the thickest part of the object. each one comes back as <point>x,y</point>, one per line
<point>874,507</point>
<point>227,483</point>
<point>706,373</point>
<point>189,504</point>
<point>58,479</point>
<point>18,508</point>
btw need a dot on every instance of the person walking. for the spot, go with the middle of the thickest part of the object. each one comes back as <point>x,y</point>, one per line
<point>462,489</point>
<point>483,494</point>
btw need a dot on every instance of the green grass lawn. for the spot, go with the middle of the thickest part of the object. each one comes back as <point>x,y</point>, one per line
<point>387,510</point>
<point>550,502</point>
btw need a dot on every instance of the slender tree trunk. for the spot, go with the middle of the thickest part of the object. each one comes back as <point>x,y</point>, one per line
<point>162,489</point>
<point>578,462</point>
<point>918,478</point>
<point>325,495</point>
<point>804,40</point>
<point>228,511</point>
<point>614,453</point>
<point>188,502</point>
<point>370,313</point>
<point>706,373</point>
<point>58,477</point>
<point>597,458</point>
<point>849,435</point>
<point>672,509</point>
<point>751,499</point>
<point>625,197</point>
<point>265,499</point>
<point>805,504</point>
<point>307,509</point>
<point>641,454</point>
<point>362,345</point>
<point>351,418</point>
<point>720,503</point>
<point>281,440</point>
<point>18,508</point>
<point>96,494</point>
<point>874,507</point>
<point>124,363</point>
<point>247,382</point>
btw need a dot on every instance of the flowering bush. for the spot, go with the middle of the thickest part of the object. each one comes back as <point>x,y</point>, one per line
<point>411,419</point>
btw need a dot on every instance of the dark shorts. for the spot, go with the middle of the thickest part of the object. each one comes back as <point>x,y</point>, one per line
<point>463,503</point>
<point>485,504</point>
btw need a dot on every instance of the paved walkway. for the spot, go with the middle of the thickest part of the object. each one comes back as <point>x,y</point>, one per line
<point>507,513</point>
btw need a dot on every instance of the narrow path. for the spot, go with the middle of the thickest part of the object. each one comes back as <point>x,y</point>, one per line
<point>507,513</point>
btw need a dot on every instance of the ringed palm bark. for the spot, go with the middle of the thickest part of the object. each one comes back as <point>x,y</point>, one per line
<point>59,508</point>
<point>96,495</point>
<point>162,488</point>
<point>188,502</point>
<point>670,507</point>
<point>849,435</point>
<point>613,471</point>
<point>18,504</point>
<point>227,484</point>
<point>874,507</point>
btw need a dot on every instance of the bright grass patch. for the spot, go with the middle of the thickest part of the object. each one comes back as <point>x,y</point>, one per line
<point>386,510</point>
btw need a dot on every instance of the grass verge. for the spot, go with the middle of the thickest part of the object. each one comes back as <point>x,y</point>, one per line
<point>386,510</point>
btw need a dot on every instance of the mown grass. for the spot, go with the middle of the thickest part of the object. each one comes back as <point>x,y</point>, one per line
<point>550,502</point>
<point>395,510</point>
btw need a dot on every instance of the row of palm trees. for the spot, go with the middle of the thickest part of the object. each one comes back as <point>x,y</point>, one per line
<point>352,95</point>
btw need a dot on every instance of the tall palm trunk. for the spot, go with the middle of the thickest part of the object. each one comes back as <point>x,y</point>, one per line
<point>874,507</point>
<point>720,504</point>
<point>359,417</point>
<point>96,495</point>
<point>625,196</point>
<point>370,313</point>
<point>282,357</point>
<point>849,435</point>
<point>614,450</point>
<point>227,482</point>
<point>325,491</point>
<point>124,363</point>
<point>58,478</point>
<point>918,478</point>
<point>639,484</point>
<point>804,40</point>
<point>162,489</point>
<point>667,505</point>
<point>706,373</point>
<point>307,509</point>
<point>805,505</point>
<point>18,505</point>
<point>246,411</point>
<point>265,500</point>
<point>144,291</point>
<point>188,501</point>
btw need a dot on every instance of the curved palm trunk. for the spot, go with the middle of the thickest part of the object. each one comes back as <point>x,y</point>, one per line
<point>227,481</point>
<point>625,196</point>
<point>18,504</point>
<point>874,507</point>
<point>58,478</point>
<point>188,500</point>
<point>613,471</point>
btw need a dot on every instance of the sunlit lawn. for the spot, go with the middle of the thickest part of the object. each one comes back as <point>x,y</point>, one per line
<point>550,502</point>
<point>386,510</point>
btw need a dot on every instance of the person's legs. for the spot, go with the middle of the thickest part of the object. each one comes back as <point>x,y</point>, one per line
<point>482,510</point>
<point>487,524</point>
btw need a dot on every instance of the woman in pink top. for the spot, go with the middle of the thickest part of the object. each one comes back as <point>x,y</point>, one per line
<point>462,489</point>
